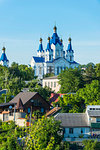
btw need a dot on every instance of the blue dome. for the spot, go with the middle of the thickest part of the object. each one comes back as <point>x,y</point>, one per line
<point>49,47</point>
<point>3,57</point>
<point>69,47</point>
<point>40,48</point>
<point>55,39</point>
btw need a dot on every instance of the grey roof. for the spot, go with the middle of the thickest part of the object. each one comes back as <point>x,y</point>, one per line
<point>73,119</point>
<point>6,104</point>
<point>25,96</point>
<point>94,113</point>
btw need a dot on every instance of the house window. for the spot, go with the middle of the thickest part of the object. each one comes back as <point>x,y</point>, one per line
<point>48,84</point>
<point>54,84</point>
<point>45,83</point>
<point>51,84</point>
<point>42,110</point>
<point>71,130</point>
<point>82,130</point>
<point>98,119</point>
<point>28,110</point>
<point>10,113</point>
<point>37,102</point>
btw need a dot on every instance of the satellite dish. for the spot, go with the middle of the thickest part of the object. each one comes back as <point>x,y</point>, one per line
<point>10,107</point>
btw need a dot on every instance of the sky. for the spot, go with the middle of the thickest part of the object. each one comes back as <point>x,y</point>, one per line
<point>23,22</point>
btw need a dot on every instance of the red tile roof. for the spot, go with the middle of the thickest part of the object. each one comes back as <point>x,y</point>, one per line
<point>54,97</point>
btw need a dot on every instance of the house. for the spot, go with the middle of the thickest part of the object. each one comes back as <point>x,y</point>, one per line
<point>22,104</point>
<point>53,59</point>
<point>55,97</point>
<point>52,82</point>
<point>82,125</point>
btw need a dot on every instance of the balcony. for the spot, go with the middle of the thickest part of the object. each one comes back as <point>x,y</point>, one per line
<point>95,125</point>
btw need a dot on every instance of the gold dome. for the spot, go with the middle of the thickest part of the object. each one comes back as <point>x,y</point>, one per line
<point>3,48</point>
<point>69,39</point>
<point>55,28</point>
<point>61,40</point>
<point>40,39</point>
<point>48,38</point>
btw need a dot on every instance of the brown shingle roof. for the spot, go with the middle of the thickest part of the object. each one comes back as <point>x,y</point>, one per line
<point>25,97</point>
<point>19,104</point>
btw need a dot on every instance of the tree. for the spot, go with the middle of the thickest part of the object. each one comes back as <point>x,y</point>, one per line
<point>91,145</point>
<point>44,135</point>
<point>91,93</point>
<point>44,92</point>
<point>71,103</point>
<point>97,70</point>
<point>89,73</point>
<point>70,80</point>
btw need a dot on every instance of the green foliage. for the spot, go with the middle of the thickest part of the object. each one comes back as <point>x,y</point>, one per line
<point>10,144</point>
<point>49,75</point>
<point>44,92</point>
<point>91,145</point>
<point>21,71</point>
<point>13,78</point>
<point>91,93</point>
<point>44,135</point>
<point>97,70</point>
<point>71,103</point>
<point>70,80</point>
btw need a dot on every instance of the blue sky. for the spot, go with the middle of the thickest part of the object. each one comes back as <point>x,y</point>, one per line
<point>23,22</point>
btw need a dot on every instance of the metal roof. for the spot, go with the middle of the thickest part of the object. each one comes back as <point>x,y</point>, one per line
<point>94,113</point>
<point>39,59</point>
<point>73,119</point>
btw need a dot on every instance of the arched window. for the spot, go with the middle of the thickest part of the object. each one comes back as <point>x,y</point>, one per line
<point>70,58</point>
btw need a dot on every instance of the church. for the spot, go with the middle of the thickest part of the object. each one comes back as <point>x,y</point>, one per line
<point>3,59</point>
<point>54,58</point>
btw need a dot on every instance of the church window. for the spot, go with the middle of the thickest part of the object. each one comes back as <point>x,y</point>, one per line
<point>57,70</point>
<point>61,68</point>
<point>57,53</point>
<point>54,84</point>
<point>70,58</point>
<point>40,70</point>
<point>49,57</point>
<point>64,68</point>
<point>50,69</point>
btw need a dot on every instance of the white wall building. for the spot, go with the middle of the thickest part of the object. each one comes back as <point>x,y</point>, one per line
<point>3,59</point>
<point>80,124</point>
<point>52,82</point>
<point>53,59</point>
